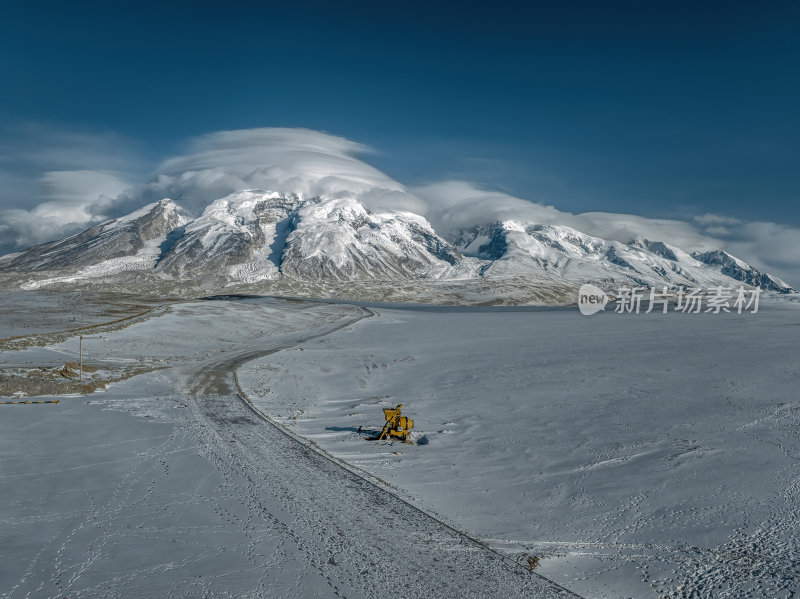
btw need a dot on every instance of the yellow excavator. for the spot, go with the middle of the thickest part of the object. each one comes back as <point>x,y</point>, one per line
<point>397,425</point>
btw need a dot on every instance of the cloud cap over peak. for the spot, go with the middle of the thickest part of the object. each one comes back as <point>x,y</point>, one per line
<point>301,161</point>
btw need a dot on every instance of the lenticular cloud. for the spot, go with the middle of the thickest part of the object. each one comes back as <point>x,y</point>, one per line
<point>299,161</point>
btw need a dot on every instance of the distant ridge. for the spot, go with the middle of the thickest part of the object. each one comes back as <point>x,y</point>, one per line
<point>269,241</point>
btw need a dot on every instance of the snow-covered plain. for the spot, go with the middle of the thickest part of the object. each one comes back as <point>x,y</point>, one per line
<point>635,456</point>
<point>24,313</point>
<point>192,494</point>
<point>638,456</point>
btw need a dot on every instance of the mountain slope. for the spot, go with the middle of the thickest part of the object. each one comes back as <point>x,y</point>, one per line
<point>342,240</point>
<point>739,270</point>
<point>252,235</point>
<point>519,249</point>
<point>240,237</point>
<point>138,237</point>
<point>314,245</point>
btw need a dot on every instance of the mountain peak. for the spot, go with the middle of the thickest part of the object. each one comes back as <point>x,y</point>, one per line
<point>117,238</point>
<point>737,269</point>
<point>256,236</point>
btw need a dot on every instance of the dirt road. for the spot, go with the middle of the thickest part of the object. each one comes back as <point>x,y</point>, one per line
<point>362,539</point>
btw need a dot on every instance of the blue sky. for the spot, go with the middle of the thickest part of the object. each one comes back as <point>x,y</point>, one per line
<point>669,110</point>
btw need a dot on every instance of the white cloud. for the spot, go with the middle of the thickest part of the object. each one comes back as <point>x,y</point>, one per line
<point>76,199</point>
<point>55,182</point>
<point>716,219</point>
<point>82,187</point>
<point>768,246</point>
<point>284,160</point>
<point>627,227</point>
<point>456,205</point>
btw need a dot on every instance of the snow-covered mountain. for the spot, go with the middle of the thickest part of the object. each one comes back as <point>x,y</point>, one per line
<point>513,248</point>
<point>239,238</point>
<point>343,240</point>
<point>290,243</point>
<point>737,269</point>
<point>136,239</point>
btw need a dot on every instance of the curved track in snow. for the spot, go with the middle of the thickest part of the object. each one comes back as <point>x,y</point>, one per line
<point>361,539</point>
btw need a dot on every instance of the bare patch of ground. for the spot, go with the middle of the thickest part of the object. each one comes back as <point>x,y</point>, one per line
<point>62,380</point>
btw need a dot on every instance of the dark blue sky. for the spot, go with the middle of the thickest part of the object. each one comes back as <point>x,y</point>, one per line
<point>659,109</point>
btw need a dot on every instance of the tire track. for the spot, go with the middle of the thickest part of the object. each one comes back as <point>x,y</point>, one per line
<point>364,540</point>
